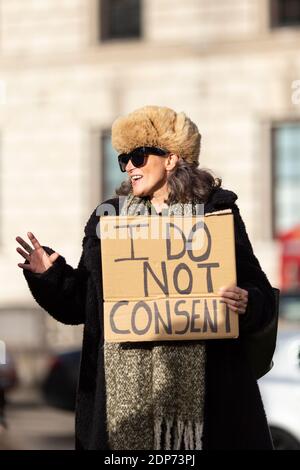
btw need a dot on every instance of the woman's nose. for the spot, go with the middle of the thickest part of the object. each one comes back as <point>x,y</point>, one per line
<point>129,166</point>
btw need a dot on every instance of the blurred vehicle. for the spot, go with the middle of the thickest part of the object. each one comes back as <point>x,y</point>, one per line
<point>289,312</point>
<point>60,383</point>
<point>280,388</point>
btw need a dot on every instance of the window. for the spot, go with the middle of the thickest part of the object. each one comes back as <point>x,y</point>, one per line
<point>112,177</point>
<point>285,13</point>
<point>286,176</point>
<point>120,19</point>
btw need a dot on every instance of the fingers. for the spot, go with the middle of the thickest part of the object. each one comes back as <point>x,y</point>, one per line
<point>33,240</point>
<point>235,303</point>
<point>24,266</point>
<point>243,297</point>
<point>24,244</point>
<point>240,308</point>
<point>236,306</point>
<point>54,257</point>
<point>230,295</point>
<point>23,253</point>
<point>233,292</point>
<point>235,297</point>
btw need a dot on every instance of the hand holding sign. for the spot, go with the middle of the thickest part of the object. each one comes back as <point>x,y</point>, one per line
<point>38,260</point>
<point>235,297</point>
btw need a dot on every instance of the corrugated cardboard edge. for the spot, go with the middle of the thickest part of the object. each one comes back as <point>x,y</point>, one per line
<point>223,212</point>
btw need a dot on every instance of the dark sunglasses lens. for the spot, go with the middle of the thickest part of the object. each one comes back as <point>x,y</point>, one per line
<point>123,160</point>
<point>138,159</point>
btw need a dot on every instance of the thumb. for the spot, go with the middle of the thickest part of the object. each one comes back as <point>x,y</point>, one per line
<point>54,257</point>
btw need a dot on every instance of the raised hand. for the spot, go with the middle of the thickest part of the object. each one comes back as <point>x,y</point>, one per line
<point>38,260</point>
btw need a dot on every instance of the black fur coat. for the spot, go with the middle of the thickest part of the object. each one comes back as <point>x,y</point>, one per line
<point>234,413</point>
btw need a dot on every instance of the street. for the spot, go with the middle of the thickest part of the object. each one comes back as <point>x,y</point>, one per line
<point>34,426</point>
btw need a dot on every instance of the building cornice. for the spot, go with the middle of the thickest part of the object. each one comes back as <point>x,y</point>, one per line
<point>132,51</point>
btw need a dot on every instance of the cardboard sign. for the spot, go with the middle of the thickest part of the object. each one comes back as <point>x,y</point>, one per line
<point>161,276</point>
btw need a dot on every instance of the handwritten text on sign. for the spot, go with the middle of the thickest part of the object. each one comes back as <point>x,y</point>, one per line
<point>164,287</point>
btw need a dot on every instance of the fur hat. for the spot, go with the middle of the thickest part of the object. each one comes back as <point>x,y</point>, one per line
<point>156,126</point>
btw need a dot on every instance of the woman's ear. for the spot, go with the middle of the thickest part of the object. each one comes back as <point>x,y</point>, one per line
<point>171,161</point>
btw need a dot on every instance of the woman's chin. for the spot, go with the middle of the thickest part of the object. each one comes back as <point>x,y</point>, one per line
<point>140,192</point>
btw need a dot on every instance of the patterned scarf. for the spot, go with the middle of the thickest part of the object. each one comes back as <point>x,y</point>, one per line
<point>155,391</point>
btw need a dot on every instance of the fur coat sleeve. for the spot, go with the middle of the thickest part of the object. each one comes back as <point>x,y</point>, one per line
<point>61,290</point>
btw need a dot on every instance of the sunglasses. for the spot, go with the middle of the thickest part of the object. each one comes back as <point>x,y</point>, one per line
<point>138,156</point>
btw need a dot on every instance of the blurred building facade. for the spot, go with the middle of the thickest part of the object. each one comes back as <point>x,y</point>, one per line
<point>68,68</point>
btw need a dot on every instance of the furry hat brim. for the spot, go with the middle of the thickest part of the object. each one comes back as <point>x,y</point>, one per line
<point>159,127</point>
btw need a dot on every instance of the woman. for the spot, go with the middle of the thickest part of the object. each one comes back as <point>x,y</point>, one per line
<point>145,396</point>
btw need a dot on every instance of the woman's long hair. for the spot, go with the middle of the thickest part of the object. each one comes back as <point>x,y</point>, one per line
<point>186,182</point>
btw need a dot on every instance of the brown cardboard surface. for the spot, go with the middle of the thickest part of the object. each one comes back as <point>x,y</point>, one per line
<point>157,287</point>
